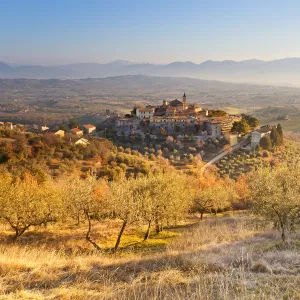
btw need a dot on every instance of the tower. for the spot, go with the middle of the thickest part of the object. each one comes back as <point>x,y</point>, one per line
<point>184,101</point>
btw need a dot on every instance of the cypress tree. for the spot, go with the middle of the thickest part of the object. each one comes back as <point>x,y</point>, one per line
<point>280,133</point>
<point>275,138</point>
<point>266,143</point>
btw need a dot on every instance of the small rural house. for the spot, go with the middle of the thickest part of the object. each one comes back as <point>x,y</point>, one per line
<point>89,128</point>
<point>9,125</point>
<point>44,128</point>
<point>231,138</point>
<point>257,134</point>
<point>77,131</point>
<point>60,133</point>
<point>82,142</point>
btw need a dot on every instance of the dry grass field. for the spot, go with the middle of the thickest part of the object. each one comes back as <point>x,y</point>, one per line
<point>233,256</point>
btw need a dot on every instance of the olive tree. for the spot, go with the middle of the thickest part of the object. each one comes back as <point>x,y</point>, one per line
<point>126,203</point>
<point>87,197</point>
<point>26,203</point>
<point>163,199</point>
<point>203,201</point>
<point>150,201</point>
<point>275,195</point>
<point>175,199</point>
<point>212,195</point>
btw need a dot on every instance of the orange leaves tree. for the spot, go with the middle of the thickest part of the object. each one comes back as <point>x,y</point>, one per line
<point>212,194</point>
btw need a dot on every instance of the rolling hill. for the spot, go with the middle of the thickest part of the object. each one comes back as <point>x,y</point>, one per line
<point>276,72</point>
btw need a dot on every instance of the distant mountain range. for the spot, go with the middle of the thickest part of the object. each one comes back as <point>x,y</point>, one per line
<point>276,72</point>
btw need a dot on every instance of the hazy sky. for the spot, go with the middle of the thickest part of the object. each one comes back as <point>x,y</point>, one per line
<point>66,31</point>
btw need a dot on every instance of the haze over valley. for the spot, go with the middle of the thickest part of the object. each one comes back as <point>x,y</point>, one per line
<point>275,72</point>
<point>52,101</point>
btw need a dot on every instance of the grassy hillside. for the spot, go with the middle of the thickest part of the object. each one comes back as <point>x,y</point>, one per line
<point>233,256</point>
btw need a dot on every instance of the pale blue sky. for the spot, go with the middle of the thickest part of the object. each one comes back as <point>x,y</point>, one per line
<point>160,31</point>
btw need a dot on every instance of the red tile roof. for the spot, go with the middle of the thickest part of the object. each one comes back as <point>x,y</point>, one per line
<point>89,126</point>
<point>76,130</point>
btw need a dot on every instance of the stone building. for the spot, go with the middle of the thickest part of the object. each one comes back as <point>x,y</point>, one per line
<point>168,123</point>
<point>127,125</point>
<point>144,113</point>
<point>226,122</point>
<point>213,129</point>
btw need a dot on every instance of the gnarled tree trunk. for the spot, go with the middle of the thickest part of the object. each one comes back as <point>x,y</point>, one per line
<point>120,235</point>
<point>19,232</point>
<point>88,237</point>
<point>148,231</point>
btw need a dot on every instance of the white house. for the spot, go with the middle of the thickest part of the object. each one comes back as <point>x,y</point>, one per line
<point>60,133</point>
<point>9,125</point>
<point>44,128</point>
<point>82,142</point>
<point>89,128</point>
<point>143,113</point>
<point>257,134</point>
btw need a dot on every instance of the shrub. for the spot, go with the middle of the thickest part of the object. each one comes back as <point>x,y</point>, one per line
<point>265,154</point>
<point>261,267</point>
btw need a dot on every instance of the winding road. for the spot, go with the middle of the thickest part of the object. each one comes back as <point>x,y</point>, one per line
<point>236,147</point>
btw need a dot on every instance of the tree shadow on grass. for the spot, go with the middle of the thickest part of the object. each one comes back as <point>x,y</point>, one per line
<point>72,239</point>
<point>182,226</point>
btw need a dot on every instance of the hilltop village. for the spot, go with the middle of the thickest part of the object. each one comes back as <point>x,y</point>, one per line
<point>185,135</point>
<point>177,117</point>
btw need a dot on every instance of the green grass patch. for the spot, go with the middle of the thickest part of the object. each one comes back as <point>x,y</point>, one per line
<point>232,110</point>
<point>133,241</point>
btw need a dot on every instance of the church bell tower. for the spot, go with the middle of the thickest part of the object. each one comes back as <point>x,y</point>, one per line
<point>184,101</point>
